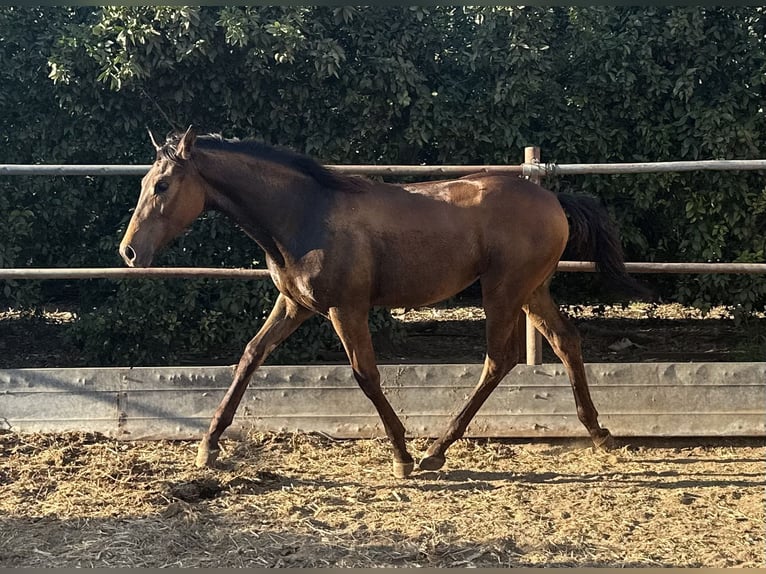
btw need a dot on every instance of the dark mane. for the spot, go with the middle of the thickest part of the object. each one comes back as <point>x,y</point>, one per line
<point>304,164</point>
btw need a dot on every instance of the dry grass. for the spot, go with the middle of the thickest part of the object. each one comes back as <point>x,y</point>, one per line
<point>308,501</point>
<point>634,310</point>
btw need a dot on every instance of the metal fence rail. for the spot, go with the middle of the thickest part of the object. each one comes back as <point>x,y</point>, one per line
<point>133,273</point>
<point>139,170</point>
<point>531,168</point>
<point>552,169</point>
<point>239,273</point>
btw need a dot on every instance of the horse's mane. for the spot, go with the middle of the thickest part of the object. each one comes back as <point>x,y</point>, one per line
<point>324,176</point>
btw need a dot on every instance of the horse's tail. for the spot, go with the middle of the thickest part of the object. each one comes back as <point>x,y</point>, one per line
<point>594,237</point>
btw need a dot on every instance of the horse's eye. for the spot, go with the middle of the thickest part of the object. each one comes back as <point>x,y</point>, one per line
<point>161,187</point>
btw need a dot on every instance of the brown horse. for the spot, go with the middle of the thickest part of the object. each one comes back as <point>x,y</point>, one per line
<point>338,245</point>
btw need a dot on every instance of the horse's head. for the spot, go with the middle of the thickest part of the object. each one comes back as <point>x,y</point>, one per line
<point>172,197</point>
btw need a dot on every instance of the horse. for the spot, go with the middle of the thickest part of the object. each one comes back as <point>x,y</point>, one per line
<point>337,245</point>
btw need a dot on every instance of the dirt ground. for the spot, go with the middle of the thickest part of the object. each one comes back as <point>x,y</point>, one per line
<point>283,500</point>
<point>79,500</point>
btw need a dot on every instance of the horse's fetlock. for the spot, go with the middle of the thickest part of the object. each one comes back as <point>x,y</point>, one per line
<point>207,453</point>
<point>403,469</point>
<point>588,417</point>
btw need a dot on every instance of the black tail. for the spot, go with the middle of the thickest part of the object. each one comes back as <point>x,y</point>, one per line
<point>594,237</point>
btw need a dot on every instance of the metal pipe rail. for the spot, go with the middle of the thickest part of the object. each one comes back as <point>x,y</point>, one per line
<point>657,267</point>
<point>239,273</point>
<point>133,273</point>
<point>528,169</point>
<point>140,170</point>
<point>553,169</point>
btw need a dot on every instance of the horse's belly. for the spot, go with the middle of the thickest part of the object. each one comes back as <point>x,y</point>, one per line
<point>421,284</point>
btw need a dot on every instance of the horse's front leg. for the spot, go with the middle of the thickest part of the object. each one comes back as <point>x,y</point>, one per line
<point>353,330</point>
<point>284,318</point>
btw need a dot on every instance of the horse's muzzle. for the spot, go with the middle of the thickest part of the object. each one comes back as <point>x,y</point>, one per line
<point>131,258</point>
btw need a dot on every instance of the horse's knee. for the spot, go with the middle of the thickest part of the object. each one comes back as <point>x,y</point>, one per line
<point>254,352</point>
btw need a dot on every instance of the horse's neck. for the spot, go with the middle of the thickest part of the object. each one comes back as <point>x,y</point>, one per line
<point>270,203</point>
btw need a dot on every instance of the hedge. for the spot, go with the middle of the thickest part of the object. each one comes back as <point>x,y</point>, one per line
<point>370,85</point>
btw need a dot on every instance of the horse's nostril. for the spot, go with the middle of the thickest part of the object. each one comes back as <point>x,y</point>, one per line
<point>128,254</point>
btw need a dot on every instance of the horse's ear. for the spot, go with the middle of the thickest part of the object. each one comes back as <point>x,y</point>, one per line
<point>187,141</point>
<point>154,141</point>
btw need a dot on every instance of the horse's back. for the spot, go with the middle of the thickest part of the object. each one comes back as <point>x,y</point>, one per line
<point>421,243</point>
<point>490,192</point>
<point>508,210</point>
<point>522,209</point>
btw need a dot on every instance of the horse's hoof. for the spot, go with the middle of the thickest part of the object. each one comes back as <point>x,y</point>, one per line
<point>432,462</point>
<point>403,469</point>
<point>604,441</point>
<point>205,456</point>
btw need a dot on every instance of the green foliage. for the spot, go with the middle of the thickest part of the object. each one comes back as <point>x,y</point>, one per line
<point>408,84</point>
<point>190,320</point>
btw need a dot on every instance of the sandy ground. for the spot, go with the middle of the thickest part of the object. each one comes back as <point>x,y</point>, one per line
<point>308,501</point>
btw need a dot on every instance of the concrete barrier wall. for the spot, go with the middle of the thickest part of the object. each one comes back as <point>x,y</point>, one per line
<point>652,399</point>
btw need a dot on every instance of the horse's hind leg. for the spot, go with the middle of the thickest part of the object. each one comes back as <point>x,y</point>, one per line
<point>502,355</point>
<point>565,340</point>
<point>284,318</point>
<point>353,330</point>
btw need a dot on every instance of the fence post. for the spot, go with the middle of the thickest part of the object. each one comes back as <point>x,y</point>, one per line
<point>533,336</point>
